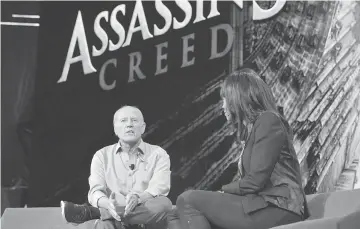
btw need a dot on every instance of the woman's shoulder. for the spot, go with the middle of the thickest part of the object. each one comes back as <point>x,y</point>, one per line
<point>268,117</point>
<point>271,121</point>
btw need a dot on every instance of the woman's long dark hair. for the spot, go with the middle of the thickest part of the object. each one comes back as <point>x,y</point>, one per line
<point>247,96</point>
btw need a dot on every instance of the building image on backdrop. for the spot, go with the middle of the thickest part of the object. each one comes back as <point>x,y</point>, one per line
<point>55,118</point>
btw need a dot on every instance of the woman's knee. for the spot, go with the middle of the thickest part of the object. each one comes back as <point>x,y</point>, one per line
<point>186,198</point>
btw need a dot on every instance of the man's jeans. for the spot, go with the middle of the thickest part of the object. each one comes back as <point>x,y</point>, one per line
<point>152,213</point>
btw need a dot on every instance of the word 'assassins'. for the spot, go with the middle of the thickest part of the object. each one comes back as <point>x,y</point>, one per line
<point>124,39</point>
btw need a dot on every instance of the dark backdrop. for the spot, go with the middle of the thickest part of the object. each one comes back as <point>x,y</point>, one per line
<point>73,119</point>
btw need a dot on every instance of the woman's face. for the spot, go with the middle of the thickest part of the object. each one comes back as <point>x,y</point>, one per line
<point>226,110</point>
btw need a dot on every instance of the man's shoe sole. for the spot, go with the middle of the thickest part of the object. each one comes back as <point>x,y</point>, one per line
<point>62,205</point>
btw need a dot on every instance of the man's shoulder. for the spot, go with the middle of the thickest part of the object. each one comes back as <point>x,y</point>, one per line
<point>154,148</point>
<point>105,150</point>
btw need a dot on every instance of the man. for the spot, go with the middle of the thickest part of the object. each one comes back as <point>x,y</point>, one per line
<point>129,181</point>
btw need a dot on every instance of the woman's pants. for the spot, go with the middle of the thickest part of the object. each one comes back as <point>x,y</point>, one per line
<point>197,209</point>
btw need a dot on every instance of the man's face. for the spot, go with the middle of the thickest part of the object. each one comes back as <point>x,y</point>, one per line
<point>129,124</point>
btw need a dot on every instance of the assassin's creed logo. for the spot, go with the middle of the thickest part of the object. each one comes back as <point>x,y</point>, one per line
<point>125,37</point>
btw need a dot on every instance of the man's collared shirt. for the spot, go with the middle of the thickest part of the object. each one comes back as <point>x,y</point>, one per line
<point>111,174</point>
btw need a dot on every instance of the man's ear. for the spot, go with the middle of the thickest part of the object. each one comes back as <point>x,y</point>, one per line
<point>143,128</point>
<point>115,132</point>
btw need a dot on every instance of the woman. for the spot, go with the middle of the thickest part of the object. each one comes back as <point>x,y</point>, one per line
<point>269,192</point>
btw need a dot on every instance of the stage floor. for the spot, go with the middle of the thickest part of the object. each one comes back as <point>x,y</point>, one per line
<point>38,218</point>
<point>325,209</point>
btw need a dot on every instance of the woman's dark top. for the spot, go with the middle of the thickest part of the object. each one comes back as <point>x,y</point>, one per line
<point>271,171</point>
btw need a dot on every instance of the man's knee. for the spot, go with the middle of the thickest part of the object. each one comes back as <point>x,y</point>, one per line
<point>159,206</point>
<point>172,214</point>
<point>107,224</point>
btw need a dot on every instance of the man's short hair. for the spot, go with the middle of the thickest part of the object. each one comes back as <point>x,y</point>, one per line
<point>132,107</point>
